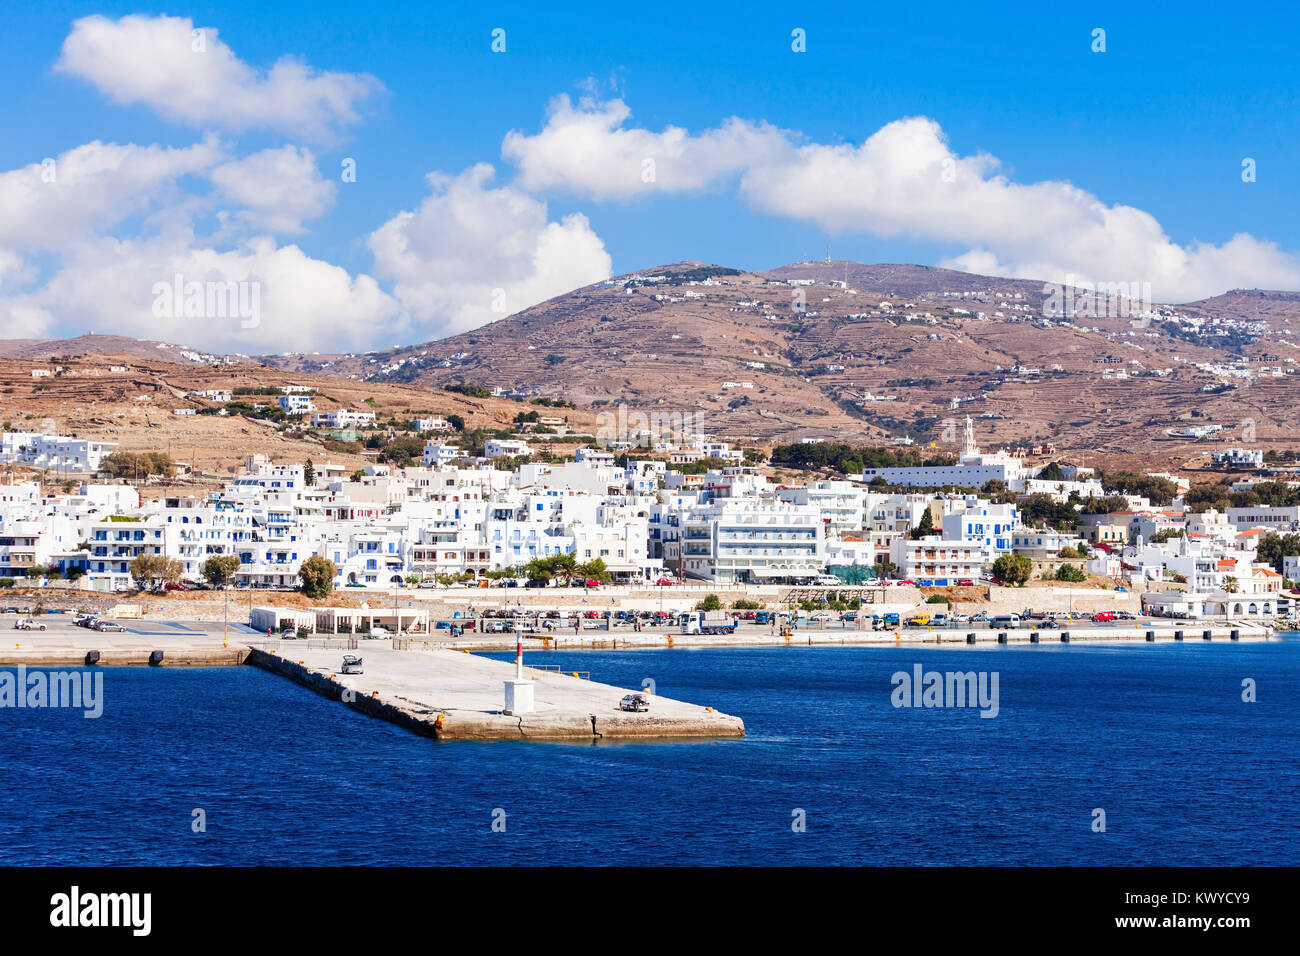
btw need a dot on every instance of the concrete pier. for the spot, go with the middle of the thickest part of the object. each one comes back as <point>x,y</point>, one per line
<point>453,695</point>
<point>116,649</point>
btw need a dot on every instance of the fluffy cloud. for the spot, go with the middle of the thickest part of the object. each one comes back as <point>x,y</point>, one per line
<point>283,299</point>
<point>195,79</point>
<point>471,253</point>
<point>276,188</point>
<point>63,268</point>
<point>91,188</point>
<point>585,150</point>
<point>903,180</point>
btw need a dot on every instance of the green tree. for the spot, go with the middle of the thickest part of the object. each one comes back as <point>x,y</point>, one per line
<point>1071,572</point>
<point>309,473</point>
<point>594,570</point>
<point>923,527</point>
<point>219,570</point>
<point>563,566</point>
<point>317,575</point>
<point>539,569</point>
<point>1013,569</point>
<point>710,603</point>
<point>155,570</point>
<point>1273,548</point>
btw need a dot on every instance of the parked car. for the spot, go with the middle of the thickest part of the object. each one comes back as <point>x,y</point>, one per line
<point>351,665</point>
<point>106,626</point>
<point>1104,616</point>
<point>290,633</point>
<point>378,630</point>
<point>635,703</point>
<point>664,582</point>
<point>27,624</point>
<point>960,619</point>
<point>965,583</point>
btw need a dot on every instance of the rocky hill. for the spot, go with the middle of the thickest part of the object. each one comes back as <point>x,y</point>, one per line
<point>860,352</point>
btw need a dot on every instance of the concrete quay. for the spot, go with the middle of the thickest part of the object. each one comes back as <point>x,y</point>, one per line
<point>69,648</point>
<point>454,695</point>
<point>1081,632</point>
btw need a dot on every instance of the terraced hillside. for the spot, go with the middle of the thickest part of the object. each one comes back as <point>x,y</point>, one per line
<point>879,352</point>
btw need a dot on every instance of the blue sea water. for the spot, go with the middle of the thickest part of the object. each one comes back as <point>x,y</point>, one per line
<point>1157,736</point>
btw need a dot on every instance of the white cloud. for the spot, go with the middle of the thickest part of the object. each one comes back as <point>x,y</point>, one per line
<point>903,180</point>
<point>586,150</point>
<point>469,247</point>
<point>111,285</point>
<point>62,268</point>
<point>199,81</point>
<point>277,188</point>
<point>91,188</point>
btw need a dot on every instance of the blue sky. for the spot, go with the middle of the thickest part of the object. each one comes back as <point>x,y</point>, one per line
<point>1160,122</point>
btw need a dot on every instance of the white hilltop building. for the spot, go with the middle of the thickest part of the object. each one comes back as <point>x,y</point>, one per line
<point>973,469</point>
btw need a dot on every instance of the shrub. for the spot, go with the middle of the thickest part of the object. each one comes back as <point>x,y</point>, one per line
<point>1070,572</point>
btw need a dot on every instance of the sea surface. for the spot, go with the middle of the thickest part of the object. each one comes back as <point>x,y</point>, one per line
<point>1156,736</point>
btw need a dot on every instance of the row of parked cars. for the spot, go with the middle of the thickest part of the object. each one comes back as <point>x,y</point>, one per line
<point>95,623</point>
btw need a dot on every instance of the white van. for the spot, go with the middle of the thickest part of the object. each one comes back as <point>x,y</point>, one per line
<point>1004,621</point>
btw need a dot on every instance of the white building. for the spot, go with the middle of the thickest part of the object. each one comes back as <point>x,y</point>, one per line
<point>54,451</point>
<point>973,470</point>
<point>296,404</point>
<point>747,540</point>
<point>436,453</point>
<point>343,418</point>
<point>506,448</point>
<point>423,425</point>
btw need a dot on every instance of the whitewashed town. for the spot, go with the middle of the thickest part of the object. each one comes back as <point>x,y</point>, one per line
<point>454,523</point>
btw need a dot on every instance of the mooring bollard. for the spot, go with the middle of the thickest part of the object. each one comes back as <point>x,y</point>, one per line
<point>1033,637</point>
<point>970,638</point>
<point>155,658</point>
<point>1178,635</point>
<point>1207,634</point>
<point>1002,637</point>
<point>92,657</point>
<point>1151,636</point>
<point>1234,634</point>
<point>1065,637</point>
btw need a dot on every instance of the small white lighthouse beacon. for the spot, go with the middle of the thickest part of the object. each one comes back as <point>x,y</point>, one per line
<point>519,692</point>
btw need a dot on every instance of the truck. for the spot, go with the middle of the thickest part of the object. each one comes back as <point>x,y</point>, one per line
<point>707,622</point>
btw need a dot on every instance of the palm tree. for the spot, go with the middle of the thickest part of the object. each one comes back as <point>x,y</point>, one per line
<point>564,566</point>
<point>1230,584</point>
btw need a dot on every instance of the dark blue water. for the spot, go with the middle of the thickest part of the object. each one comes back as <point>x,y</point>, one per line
<point>1156,736</point>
